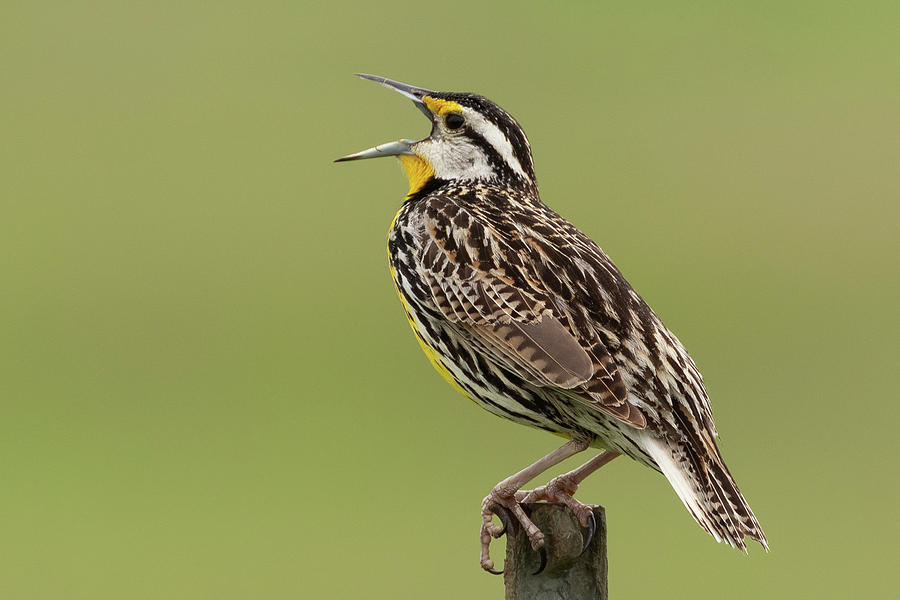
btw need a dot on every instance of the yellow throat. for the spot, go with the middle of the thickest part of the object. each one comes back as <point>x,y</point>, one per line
<point>418,171</point>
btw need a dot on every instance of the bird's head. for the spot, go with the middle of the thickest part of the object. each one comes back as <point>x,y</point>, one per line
<point>472,139</point>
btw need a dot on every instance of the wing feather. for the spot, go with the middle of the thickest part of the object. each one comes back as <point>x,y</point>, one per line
<point>519,323</point>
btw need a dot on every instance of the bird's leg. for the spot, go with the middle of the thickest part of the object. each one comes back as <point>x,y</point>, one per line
<point>563,488</point>
<point>504,496</point>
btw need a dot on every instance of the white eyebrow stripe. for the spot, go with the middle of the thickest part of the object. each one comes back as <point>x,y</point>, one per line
<point>493,136</point>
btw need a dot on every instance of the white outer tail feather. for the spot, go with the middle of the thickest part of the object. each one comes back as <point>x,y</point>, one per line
<point>721,524</point>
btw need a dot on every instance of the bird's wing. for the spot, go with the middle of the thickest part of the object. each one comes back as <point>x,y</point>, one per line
<point>504,306</point>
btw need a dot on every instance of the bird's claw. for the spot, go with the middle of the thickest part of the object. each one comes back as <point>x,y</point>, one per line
<point>506,507</point>
<point>508,523</point>
<point>543,565</point>
<point>592,529</point>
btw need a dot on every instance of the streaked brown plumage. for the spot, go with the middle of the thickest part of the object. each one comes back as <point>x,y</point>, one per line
<point>529,318</point>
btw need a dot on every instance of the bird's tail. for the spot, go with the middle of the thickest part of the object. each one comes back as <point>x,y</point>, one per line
<point>708,491</point>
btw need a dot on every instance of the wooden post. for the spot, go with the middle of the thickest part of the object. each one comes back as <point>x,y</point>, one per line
<point>570,574</point>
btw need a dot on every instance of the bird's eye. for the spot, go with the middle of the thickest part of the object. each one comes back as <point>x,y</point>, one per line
<point>454,121</point>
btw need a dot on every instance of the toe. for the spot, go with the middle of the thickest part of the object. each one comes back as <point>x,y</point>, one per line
<point>537,540</point>
<point>495,531</point>
<point>585,516</point>
<point>488,565</point>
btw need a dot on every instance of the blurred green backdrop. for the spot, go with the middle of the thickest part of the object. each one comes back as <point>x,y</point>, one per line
<point>208,386</point>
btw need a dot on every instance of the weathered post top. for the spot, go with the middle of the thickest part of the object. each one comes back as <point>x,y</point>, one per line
<point>572,572</point>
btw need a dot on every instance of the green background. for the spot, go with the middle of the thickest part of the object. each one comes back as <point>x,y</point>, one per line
<point>208,386</point>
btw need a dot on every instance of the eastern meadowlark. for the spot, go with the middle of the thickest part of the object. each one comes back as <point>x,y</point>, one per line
<point>528,317</point>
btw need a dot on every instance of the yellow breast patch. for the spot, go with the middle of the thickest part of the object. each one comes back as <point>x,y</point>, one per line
<point>432,354</point>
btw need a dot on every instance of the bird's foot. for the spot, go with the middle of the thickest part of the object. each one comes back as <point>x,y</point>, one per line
<point>504,502</point>
<point>560,489</point>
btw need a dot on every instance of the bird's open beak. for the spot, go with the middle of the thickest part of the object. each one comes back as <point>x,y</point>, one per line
<point>400,146</point>
<point>386,149</point>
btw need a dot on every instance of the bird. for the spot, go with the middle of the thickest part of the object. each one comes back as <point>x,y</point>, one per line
<point>528,317</point>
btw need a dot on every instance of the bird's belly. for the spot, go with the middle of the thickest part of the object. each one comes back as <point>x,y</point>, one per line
<point>458,360</point>
<point>465,365</point>
<point>500,392</point>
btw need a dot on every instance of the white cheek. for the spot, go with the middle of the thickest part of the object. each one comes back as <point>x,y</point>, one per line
<point>457,160</point>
